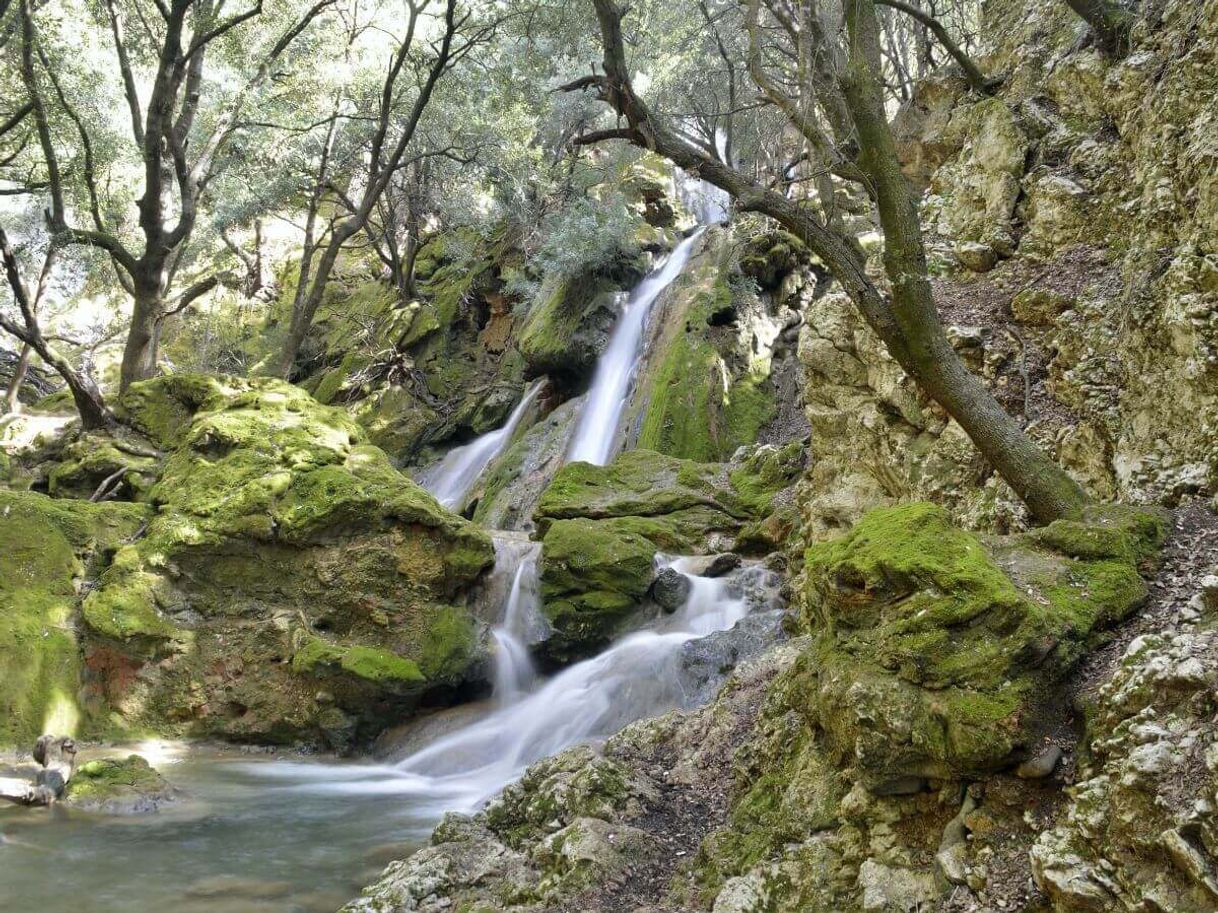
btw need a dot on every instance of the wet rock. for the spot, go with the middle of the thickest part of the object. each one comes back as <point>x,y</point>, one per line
<point>670,589</point>
<point>707,661</point>
<point>116,786</point>
<point>721,565</point>
<point>603,525</point>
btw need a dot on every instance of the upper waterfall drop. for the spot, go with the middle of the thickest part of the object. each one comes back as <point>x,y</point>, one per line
<point>596,431</point>
<point>451,479</point>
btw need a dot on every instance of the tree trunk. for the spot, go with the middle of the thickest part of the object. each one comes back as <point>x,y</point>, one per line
<point>12,398</point>
<point>921,345</point>
<point>409,256</point>
<point>306,309</point>
<point>140,352</point>
<point>1110,21</point>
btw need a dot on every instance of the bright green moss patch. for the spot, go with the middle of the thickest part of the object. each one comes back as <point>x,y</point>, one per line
<point>937,650</point>
<point>47,547</point>
<point>162,408</point>
<point>380,667</point>
<point>593,574</point>
<point>112,777</point>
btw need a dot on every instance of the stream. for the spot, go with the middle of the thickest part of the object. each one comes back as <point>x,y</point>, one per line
<point>255,833</point>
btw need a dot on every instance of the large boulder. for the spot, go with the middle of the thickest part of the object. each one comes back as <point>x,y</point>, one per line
<point>292,584</point>
<point>939,653</point>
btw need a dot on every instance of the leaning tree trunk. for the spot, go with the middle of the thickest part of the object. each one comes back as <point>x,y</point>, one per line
<point>921,344</point>
<point>907,321</point>
<point>1110,21</point>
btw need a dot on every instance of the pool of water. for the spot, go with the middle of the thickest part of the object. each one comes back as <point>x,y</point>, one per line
<point>237,842</point>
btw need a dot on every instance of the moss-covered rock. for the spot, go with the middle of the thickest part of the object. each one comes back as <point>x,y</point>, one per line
<point>768,257</point>
<point>594,575</point>
<point>292,585</point>
<point>47,550</point>
<point>567,327</point>
<point>602,526</point>
<point>118,786</point>
<point>710,392</point>
<point>936,650</point>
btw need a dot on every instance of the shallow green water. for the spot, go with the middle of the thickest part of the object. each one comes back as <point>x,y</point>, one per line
<point>237,842</point>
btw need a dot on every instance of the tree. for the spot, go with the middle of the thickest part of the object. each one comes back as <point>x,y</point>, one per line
<point>389,150</point>
<point>177,148</point>
<point>94,413</point>
<point>851,135</point>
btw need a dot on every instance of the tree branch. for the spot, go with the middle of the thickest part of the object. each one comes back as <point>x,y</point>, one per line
<point>976,79</point>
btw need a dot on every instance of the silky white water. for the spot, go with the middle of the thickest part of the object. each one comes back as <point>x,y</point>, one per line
<point>635,678</point>
<point>450,479</point>
<point>596,432</point>
<point>522,623</point>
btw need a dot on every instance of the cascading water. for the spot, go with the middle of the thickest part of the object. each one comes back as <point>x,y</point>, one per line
<point>451,478</point>
<point>522,623</point>
<point>637,677</point>
<point>596,432</point>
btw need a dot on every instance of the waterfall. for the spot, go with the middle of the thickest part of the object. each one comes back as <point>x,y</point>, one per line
<point>452,477</point>
<point>520,625</point>
<point>637,677</point>
<point>596,431</point>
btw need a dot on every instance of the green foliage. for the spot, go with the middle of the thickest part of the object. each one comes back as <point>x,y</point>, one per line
<point>587,236</point>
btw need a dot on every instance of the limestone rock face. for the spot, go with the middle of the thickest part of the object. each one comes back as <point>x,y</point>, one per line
<point>1141,827</point>
<point>290,585</point>
<point>1071,183</point>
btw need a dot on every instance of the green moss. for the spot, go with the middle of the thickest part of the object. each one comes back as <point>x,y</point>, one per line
<point>126,606</point>
<point>380,667</point>
<point>935,659</point>
<point>764,473</point>
<point>768,257</point>
<point>97,781</point>
<point>686,393</point>
<point>593,574</point>
<point>162,408</point>
<point>448,645</point>
<point>46,547</point>
<point>639,483</point>
<point>271,507</point>
<point>1128,534</point>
